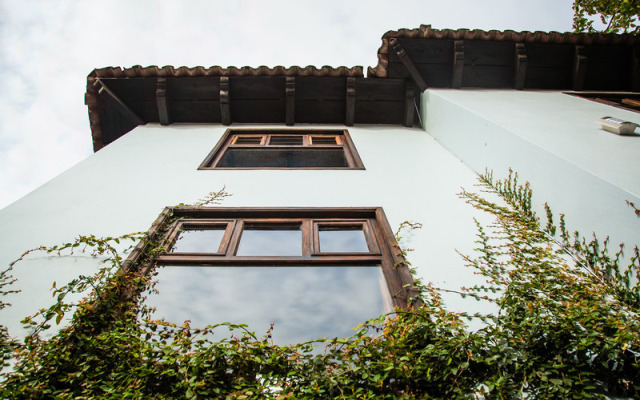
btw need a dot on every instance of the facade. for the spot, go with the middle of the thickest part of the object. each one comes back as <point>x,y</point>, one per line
<point>310,154</point>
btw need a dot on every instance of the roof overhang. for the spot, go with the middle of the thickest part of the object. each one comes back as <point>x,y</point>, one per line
<point>121,99</point>
<point>409,62</point>
<point>507,59</point>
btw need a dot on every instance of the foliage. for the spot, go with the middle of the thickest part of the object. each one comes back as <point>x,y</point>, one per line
<point>566,326</point>
<point>618,16</point>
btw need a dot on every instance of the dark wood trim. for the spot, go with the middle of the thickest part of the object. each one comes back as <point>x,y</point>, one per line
<point>370,235</point>
<point>411,68</point>
<point>631,103</point>
<point>271,261</point>
<point>409,105</point>
<point>162,101</point>
<point>579,67</point>
<point>458,64</point>
<point>350,102</point>
<point>399,278</point>
<point>212,160</point>
<point>290,95</point>
<point>143,246</point>
<point>216,153</point>
<point>234,240</point>
<point>622,100</point>
<point>355,162</point>
<point>330,213</point>
<point>308,239</point>
<point>520,66</point>
<point>107,94</point>
<point>225,107</point>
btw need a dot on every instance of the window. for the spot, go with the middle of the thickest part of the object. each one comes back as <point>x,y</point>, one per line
<point>284,149</point>
<point>627,101</point>
<point>313,272</point>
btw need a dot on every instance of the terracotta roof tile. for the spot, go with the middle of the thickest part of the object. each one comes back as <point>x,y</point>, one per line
<point>138,71</point>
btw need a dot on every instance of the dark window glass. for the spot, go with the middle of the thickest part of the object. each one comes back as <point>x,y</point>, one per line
<point>325,140</point>
<point>286,140</point>
<point>255,140</point>
<point>283,158</point>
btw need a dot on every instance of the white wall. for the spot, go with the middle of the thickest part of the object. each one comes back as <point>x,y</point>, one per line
<point>551,139</point>
<point>124,187</point>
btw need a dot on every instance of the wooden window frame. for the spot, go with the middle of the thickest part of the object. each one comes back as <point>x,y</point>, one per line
<point>231,136</point>
<point>383,249</point>
<point>365,225</point>
<point>625,101</point>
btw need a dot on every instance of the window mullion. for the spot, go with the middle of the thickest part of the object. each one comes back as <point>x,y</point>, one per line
<point>307,238</point>
<point>238,226</point>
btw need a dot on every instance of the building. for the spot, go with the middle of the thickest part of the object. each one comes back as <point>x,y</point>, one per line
<point>313,156</point>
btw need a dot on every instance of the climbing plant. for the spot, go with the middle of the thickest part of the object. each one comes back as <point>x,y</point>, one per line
<point>565,325</point>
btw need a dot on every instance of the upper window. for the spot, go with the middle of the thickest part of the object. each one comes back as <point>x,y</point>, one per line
<point>627,101</point>
<point>284,149</point>
<point>311,272</point>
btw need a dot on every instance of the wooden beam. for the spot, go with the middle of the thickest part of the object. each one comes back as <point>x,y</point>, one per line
<point>413,71</point>
<point>635,69</point>
<point>106,93</point>
<point>520,66</point>
<point>161,99</point>
<point>409,104</point>
<point>350,102</point>
<point>290,95</point>
<point>458,64</point>
<point>579,67</point>
<point>225,109</point>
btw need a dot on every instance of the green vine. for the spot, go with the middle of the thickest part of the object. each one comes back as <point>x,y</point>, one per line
<point>566,326</point>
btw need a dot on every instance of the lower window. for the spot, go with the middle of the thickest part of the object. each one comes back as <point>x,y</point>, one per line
<point>312,272</point>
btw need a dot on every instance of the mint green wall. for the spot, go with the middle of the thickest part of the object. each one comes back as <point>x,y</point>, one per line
<point>124,187</point>
<point>551,139</point>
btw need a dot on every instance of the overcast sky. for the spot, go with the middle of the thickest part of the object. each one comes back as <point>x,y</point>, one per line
<point>47,48</point>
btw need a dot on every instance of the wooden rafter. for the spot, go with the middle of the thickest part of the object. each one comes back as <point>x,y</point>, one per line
<point>290,94</point>
<point>162,101</point>
<point>458,64</point>
<point>350,102</point>
<point>108,95</point>
<point>413,71</point>
<point>520,66</point>
<point>409,104</point>
<point>579,67</point>
<point>225,109</point>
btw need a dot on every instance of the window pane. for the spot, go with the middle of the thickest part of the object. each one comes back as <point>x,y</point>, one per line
<point>303,302</point>
<point>318,140</point>
<point>350,240</point>
<point>283,158</point>
<point>279,241</point>
<point>286,140</point>
<point>255,140</point>
<point>199,241</point>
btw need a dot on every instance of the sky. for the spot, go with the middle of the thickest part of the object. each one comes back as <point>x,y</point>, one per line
<point>48,47</point>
